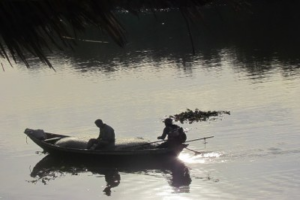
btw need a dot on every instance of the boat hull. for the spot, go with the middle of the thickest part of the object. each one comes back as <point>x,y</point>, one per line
<point>48,145</point>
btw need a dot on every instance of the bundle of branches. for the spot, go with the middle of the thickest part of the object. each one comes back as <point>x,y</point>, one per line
<point>31,26</point>
<point>197,115</point>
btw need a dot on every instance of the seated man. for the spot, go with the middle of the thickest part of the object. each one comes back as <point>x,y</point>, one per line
<point>175,134</point>
<point>106,137</point>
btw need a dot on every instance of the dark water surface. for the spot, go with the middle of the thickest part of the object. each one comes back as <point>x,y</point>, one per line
<point>247,68</point>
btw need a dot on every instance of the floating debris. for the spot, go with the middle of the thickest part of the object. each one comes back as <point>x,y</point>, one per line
<point>197,115</point>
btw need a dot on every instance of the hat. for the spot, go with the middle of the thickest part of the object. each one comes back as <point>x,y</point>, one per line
<point>168,121</point>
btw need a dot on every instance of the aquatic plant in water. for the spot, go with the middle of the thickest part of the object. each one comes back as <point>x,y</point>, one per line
<point>197,115</point>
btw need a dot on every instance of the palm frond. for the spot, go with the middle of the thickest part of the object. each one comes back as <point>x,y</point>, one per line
<point>35,25</point>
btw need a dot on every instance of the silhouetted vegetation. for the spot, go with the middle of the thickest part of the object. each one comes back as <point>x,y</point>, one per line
<point>197,115</point>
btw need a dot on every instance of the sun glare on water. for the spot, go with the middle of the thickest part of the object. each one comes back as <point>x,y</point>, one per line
<point>200,158</point>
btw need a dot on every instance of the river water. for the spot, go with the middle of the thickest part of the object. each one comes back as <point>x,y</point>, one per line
<point>254,74</point>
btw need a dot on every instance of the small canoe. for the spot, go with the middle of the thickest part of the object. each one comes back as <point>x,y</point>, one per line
<point>49,143</point>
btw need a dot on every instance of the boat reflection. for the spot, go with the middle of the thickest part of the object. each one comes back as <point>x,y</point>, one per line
<point>50,168</point>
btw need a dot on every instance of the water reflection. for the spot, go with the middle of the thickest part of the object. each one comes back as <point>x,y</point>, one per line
<point>250,42</point>
<point>255,42</point>
<point>51,168</point>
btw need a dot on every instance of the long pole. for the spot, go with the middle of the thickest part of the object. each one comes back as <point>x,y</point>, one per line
<point>204,138</point>
<point>140,145</point>
<point>197,152</point>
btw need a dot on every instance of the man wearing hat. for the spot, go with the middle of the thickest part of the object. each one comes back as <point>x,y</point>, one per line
<point>174,132</point>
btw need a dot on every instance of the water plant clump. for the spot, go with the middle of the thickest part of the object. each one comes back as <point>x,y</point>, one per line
<point>197,115</point>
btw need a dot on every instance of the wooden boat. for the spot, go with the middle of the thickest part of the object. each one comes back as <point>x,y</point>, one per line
<point>48,142</point>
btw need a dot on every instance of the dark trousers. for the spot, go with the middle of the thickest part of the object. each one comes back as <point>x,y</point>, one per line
<point>98,144</point>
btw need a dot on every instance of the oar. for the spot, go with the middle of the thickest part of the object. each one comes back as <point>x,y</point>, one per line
<point>139,145</point>
<point>196,152</point>
<point>204,138</point>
